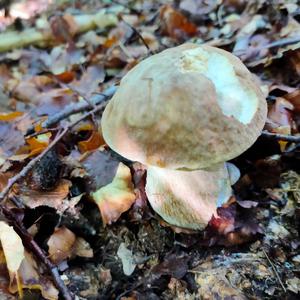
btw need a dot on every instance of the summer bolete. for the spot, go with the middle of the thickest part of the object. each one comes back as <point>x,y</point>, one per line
<point>183,113</point>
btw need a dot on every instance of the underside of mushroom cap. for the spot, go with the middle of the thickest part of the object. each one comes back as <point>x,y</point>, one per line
<point>187,108</point>
<point>187,199</point>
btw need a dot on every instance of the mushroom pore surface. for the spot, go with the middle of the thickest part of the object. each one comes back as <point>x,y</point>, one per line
<point>186,108</point>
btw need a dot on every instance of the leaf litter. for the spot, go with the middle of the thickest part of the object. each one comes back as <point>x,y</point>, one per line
<point>250,250</point>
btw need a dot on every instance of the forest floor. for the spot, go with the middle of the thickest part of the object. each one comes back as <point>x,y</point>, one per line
<point>59,64</point>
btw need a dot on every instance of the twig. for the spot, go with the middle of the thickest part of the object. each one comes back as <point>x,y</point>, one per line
<point>282,42</point>
<point>77,108</point>
<point>74,90</point>
<point>274,269</point>
<point>40,253</point>
<point>139,36</point>
<point>80,107</point>
<point>31,164</point>
<point>281,137</point>
<point>47,130</point>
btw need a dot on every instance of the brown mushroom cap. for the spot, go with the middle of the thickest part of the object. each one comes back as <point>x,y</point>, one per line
<point>188,107</point>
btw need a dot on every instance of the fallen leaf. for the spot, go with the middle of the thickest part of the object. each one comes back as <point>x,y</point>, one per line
<point>13,250</point>
<point>89,81</point>
<point>116,197</point>
<point>10,116</point>
<point>53,101</point>
<point>92,143</point>
<point>127,259</point>
<point>100,168</point>
<point>11,139</point>
<point>30,278</point>
<point>66,77</point>
<point>281,115</point>
<point>38,144</point>
<point>53,198</point>
<point>173,265</point>
<point>82,248</point>
<point>63,28</point>
<point>175,24</point>
<point>293,284</point>
<point>61,244</point>
<point>196,7</point>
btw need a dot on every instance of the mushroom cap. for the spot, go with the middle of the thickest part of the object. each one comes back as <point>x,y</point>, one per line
<point>187,199</point>
<point>188,107</point>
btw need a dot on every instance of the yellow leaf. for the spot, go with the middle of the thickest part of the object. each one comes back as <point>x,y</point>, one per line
<point>13,251</point>
<point>116,197</point>
<point>10,116</point>
<point>12,247</point>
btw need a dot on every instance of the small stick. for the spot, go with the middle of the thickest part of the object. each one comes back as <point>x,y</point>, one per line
<point>76,108</point>
<point>274,269</point>
<point>282,42</point>
<point>139,36</point>
<point>30,243</point>
<point>281,137</point>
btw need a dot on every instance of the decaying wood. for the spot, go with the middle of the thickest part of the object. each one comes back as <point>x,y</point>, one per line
<point>44,36</point>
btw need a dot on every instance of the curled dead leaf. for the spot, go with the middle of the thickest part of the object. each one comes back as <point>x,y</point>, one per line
<point>116,197</point>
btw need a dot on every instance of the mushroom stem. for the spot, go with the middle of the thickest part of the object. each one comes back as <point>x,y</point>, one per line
<point>188,198</point>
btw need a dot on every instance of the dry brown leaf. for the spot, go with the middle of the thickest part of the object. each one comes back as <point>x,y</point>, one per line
<point>89,81</point>
<point>294,98</point>
<point>10,140</point>
<point>175,24</point>
<point>10,116</point>
<point>99,168</point>
<point>116,197</point>
<point>66,77</point>
<point>63,28</point>
<point>61,244</point>
<point>54,198</point>
<point>51,102</point>
<point>92,143</point>
<point>29,278</point>
<point>280,113</point>
<point>82,248</point>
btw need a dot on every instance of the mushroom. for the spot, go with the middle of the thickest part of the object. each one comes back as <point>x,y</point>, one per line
<point>183,113</point>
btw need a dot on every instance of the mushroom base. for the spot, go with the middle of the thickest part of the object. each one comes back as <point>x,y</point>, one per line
<point>188,199</point>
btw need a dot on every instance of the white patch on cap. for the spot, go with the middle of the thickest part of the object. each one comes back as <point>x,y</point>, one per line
<point>234,99</point>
